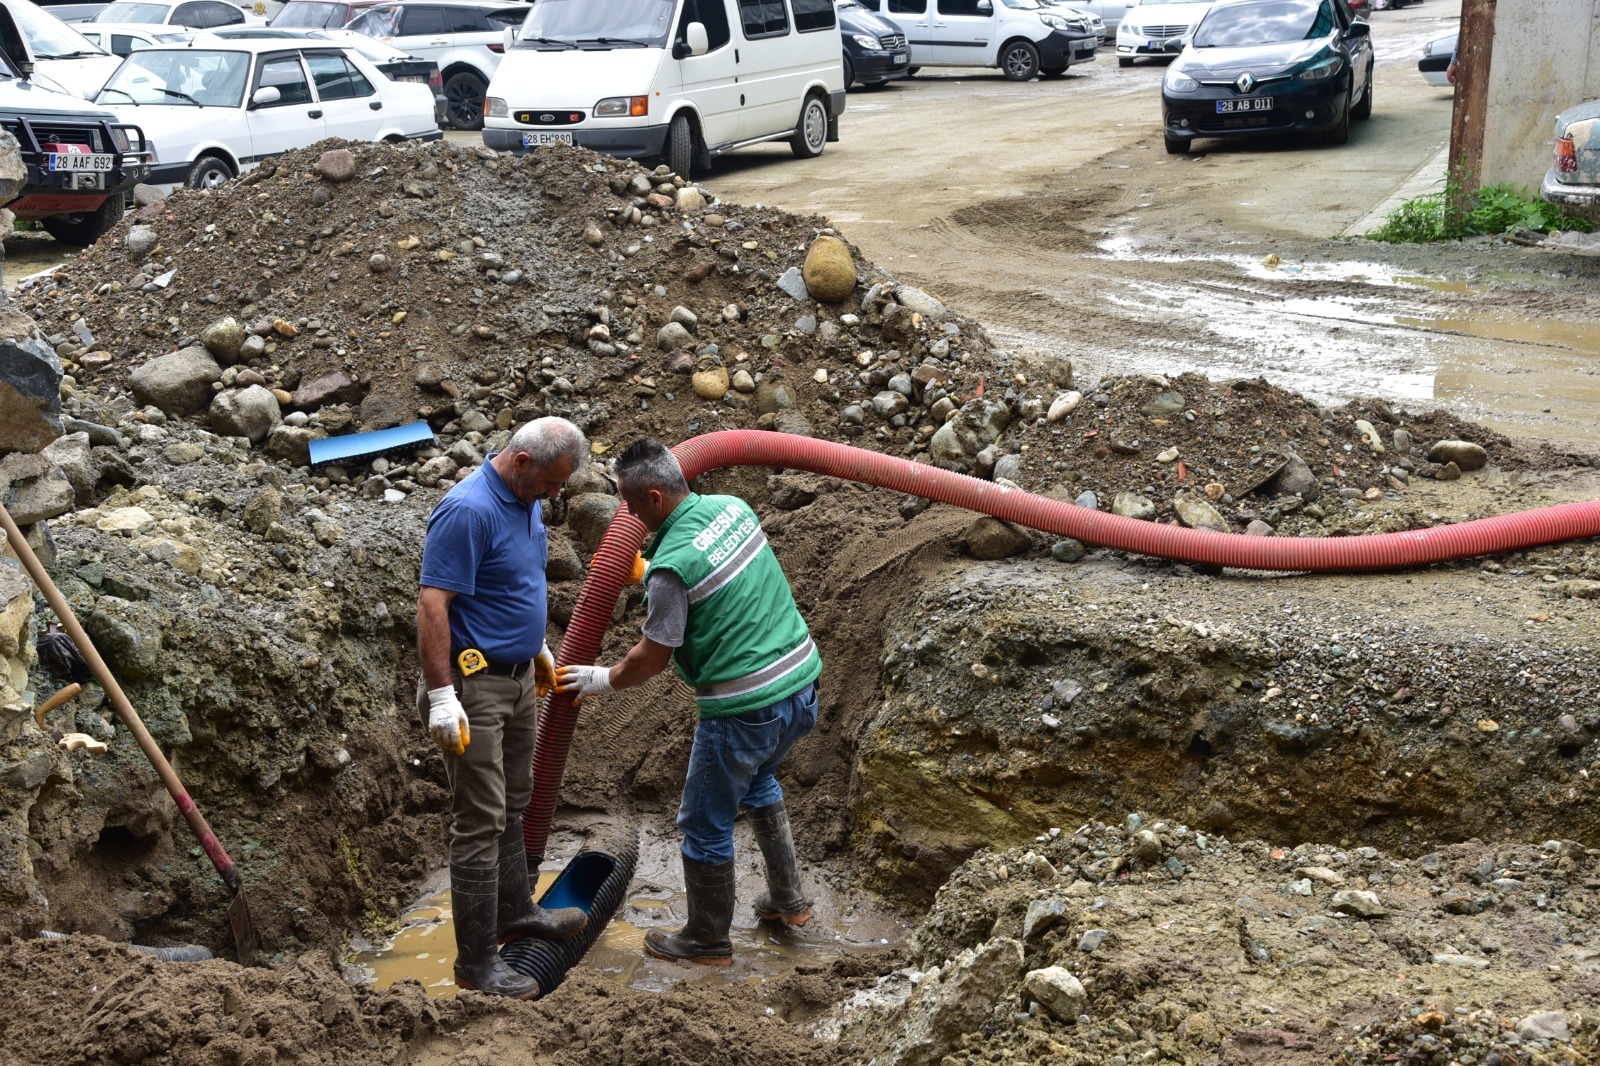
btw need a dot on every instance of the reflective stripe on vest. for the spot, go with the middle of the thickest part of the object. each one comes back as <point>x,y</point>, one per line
<point>767,675</point>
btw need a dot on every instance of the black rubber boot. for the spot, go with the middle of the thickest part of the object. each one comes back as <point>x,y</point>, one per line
<point>783,901</point>
<point>518,915</point>
<point>704,939</point>
<point>478,965</point>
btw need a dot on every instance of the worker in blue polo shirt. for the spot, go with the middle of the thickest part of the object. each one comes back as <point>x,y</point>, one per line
<point>485,669</point>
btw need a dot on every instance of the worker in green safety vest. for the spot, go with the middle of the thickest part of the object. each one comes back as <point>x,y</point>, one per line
<point>718,607</point>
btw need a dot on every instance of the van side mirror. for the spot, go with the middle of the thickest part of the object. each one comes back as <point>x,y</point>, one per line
<point>1359,29</point>
<point>508,38</point>
<point>699,43</point>
<point>265,96</point>
<point>984,7</point>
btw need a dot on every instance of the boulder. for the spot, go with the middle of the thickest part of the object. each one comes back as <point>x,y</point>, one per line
<point>953,1001</point>
<point>990,538</point>
<point>336,165</point>
<point>292,443</point>
<point>829,270</point>
<point>34,488</point>
<point>672,336</point>
<point>13,172</point>
<point>954,443</point>
<point>1133,505</point>
<point>1196,513</point>
<point>1057,991</point>
<point>921,303</point>
<point>224,338</point>
<point>690,199</point>
<point>561,561</point>
<point>711,383</point>
<point>327,389</point>
<point>383,410</point>
<point>589,515</point>
<point>30,393</point>
<point>1465,454</point>
<point>71,454</point>
<point>178,383</point>
<point>251,412</point>
<point>1043,364</point>
<point>140,240</point>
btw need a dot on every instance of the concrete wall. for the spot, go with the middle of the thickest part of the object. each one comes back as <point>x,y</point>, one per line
<point>1546,57</point>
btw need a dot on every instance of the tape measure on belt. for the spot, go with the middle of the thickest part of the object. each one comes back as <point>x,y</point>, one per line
<point>471,661</point>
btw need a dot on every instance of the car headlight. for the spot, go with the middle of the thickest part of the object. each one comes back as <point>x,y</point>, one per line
<point>1321,71</point>
<point>1055,22</point>
<point>494,107</point>
<point>623,107</point>
<point>1179,82</point>
<point>869,43</point>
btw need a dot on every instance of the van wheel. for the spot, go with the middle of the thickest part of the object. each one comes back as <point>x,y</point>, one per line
<point>1020,61</point>
<point>812,131</point>
<point>911,72</point>
<point>1124,61</point>
<point>464,93</point>
<point>82,230</point>
<point>849,72</point>
<point>1052,72</point>
<point>680,146</point>
<point>208,172</point>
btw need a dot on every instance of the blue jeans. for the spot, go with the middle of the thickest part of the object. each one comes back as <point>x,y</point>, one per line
<point>732,764</point>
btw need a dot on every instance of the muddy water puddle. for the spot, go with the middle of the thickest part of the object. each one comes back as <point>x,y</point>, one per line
<point>425,950</point>
<point>1296,324</point>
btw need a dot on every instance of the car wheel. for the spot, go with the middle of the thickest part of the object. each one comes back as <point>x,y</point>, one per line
<point>849,72</point>
<point>463,95</point>
<point>811,133</point>
<point>1020,61</point>
<point>1052,72</point>
<point>82,230</point>
<point>680,146</point>
<point>1340,134</point>
<point>911,72</point>
<point>1124,61</point>
<point>208,172</point>
<point>1175,145</point>
<point>1363,110</point>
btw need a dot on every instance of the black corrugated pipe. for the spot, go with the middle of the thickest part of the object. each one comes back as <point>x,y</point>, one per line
<point>176,953</point>
<point>595,881</point>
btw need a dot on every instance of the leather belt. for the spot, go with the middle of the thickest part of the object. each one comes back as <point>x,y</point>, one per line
<point>512,670</point>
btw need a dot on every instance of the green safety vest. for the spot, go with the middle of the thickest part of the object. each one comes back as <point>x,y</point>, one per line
<point>745,645</point>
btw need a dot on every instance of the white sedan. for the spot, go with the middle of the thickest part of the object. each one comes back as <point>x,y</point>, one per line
<point>213,109</point>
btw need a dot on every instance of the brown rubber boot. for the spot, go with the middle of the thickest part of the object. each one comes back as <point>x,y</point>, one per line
<point>783,901</point>
<point>478,965</point>
<point>704,938</point>
<point>517,915</point>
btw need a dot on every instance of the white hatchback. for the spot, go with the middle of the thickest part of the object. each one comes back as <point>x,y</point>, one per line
<point>212,109</point>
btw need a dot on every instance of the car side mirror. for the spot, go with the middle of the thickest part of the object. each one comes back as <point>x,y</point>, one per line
<point>508,38</point>
<point>265,96</point>
<point>1359,29</point>
<point>984,7</point>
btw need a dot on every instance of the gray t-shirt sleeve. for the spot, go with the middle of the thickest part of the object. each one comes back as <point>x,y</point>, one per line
<point>667,613</point>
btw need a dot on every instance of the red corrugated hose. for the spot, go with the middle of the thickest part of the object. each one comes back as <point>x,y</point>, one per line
<point>745,447</point>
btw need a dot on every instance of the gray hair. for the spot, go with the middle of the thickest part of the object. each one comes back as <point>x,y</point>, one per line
<point>550,439</point>
<point>648,464</point>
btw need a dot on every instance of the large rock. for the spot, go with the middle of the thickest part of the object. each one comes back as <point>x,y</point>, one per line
<point>954,1000</point>
<point>1042,364</point>
<point>954,443</point>
<point>223,339</point>
<point>589,515</point>
<point>292,443</point>
<point>71,454</point>
<point>30,390</point>
<point>178,383</point>
<point>1196,513</point>
<point>990,538</point>
<point>337,165</point>
<point>250,412</point>
<point>326,389</point>
<point>1057,991</point>
<point>34,488</point>
<point>1464,453</point>
<point>13,172</point>
<point>921,303</point>
<point>829,270</point>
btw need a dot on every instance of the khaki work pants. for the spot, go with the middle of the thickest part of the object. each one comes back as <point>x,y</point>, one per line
<point>492,781</point>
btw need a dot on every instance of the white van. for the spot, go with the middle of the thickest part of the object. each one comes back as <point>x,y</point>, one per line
<point>1024,38</point>
<point>682,80</point>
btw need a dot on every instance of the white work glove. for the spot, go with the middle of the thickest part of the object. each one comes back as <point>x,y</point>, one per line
<point>447,722</point>
<point>544,673</point>
<point>583,681</point>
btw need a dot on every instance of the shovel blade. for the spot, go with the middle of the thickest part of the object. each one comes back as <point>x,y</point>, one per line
<point>244,930</point>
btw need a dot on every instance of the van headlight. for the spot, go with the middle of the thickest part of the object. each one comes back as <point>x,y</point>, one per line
<point>871,44</point>
<point>623,107</point>
<point>1320,71</point>
<point>1057,22</point>
<point>1179,82</point>
<point>494,107</point>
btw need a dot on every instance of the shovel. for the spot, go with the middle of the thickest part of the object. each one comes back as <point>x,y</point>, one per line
<point>244,932</point>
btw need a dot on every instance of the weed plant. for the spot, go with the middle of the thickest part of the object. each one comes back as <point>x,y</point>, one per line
<point>1490,211</point>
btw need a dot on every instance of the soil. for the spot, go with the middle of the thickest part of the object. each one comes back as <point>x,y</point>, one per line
<point>278,671</point>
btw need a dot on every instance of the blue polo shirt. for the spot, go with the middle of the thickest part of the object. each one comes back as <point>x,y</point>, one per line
<point>489,548</point>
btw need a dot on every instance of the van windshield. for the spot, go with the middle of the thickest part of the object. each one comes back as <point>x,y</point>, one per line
<point>584,22</point>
